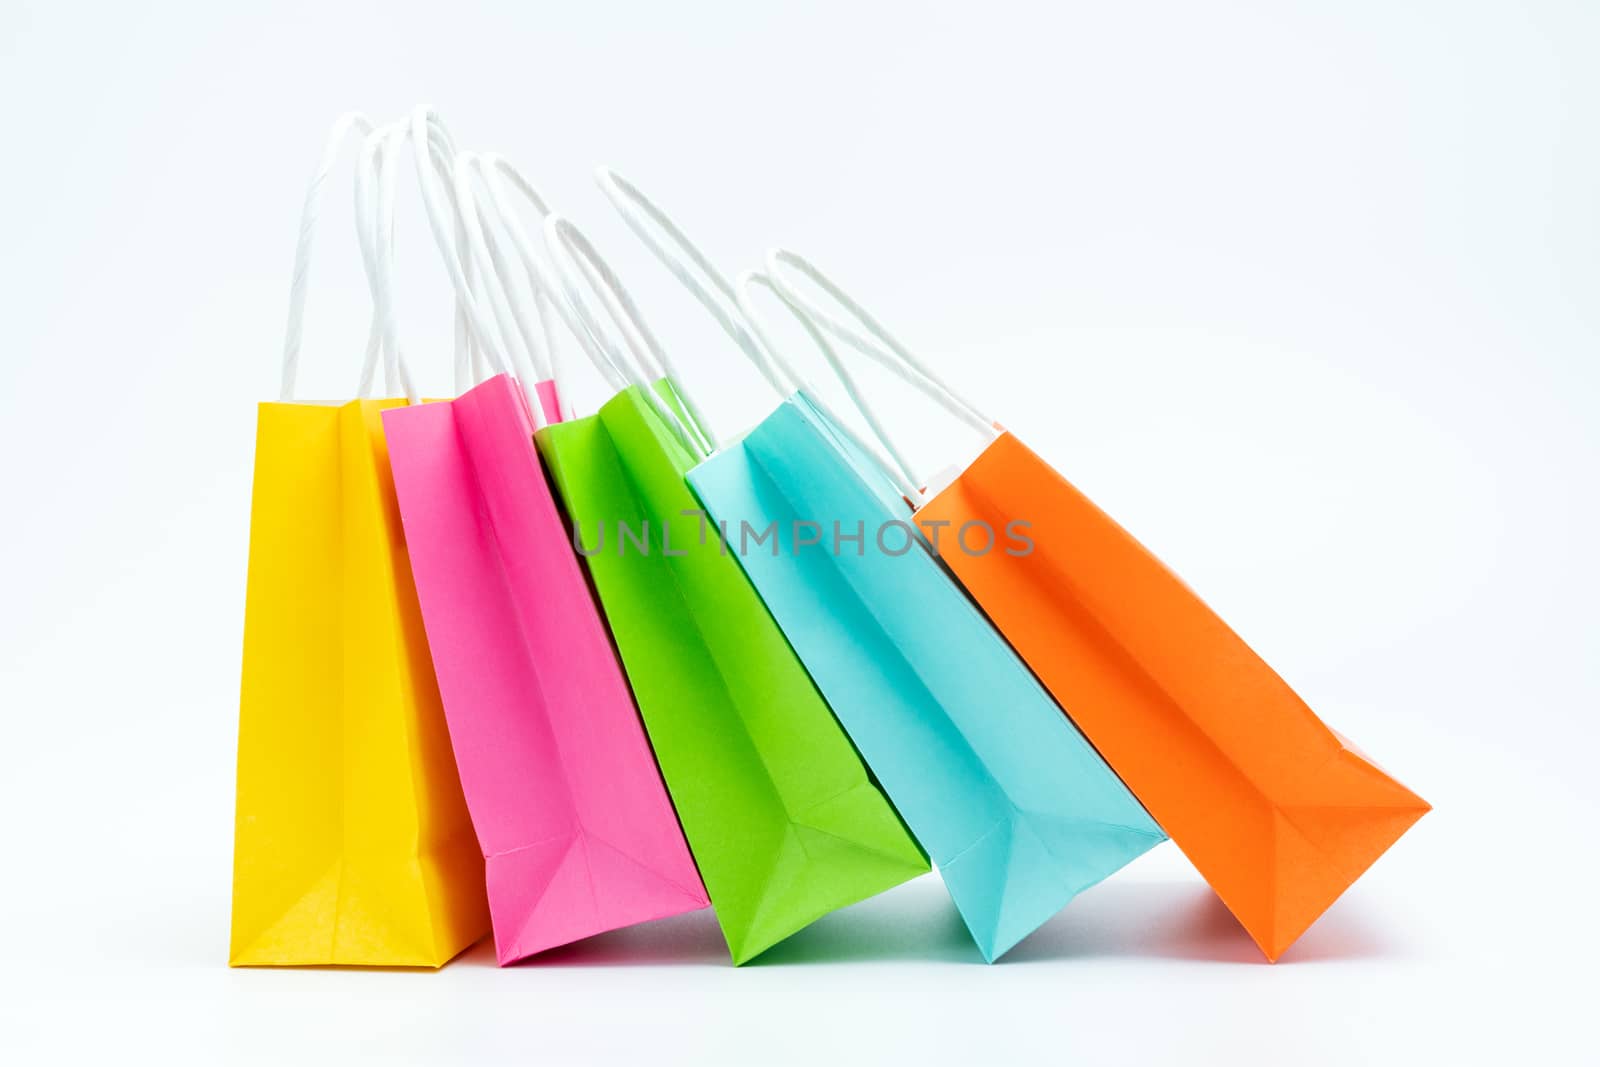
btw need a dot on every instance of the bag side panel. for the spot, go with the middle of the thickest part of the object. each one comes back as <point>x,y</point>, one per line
<point>288,836</point>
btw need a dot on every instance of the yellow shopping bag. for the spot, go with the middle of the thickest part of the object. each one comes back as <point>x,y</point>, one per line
<point>352,843</point>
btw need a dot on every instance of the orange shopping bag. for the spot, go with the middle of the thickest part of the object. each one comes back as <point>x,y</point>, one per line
<point>1278,812</point>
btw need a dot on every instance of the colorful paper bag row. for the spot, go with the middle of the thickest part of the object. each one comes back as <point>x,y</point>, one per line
<point>511,668</point>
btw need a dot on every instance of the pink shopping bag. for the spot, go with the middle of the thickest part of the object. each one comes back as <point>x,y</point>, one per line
<point>577,832</point>
<point>575,826</point>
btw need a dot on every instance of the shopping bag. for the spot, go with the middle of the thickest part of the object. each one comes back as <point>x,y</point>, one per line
<point>781,816</point>
<point>1278,812</point>
<point>1017,811</point>
<point>352,843</point>
<point>575,827</point>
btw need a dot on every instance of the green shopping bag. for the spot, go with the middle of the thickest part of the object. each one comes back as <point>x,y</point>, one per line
<point>778,809</point>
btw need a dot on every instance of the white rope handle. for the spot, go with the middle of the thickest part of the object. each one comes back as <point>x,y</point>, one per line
<point>568,245</point>
<point>734,310</point>
<point>550,291</point>
<point>310,212</point>
<point>469,355</point>
<point>495,173</point>
<point>533,324</point>
<point>899,473</point>
<point>437,204</point>
<point>380,158</point>
<point>432,152</point>
<point>524,351</point>
<point>370,160</point>
<point>369,217</point>
<point>479,242</point>
<point>375,232</point>
<point>689,265</point>
<point>882,346</point>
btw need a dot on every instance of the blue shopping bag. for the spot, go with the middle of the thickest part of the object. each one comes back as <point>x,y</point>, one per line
<point>1014,807</point>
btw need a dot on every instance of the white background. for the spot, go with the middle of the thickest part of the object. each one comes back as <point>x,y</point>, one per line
<point>1306,295</point>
